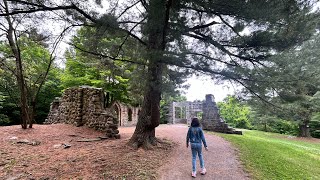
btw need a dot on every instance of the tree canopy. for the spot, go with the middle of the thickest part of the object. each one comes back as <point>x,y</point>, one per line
<point>225,39</point>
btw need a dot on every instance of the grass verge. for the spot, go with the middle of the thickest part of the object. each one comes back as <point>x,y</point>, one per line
<point>274,156</point>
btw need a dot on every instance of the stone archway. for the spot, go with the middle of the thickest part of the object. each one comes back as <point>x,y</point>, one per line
<point>117,109</point>
<point>127,115</point>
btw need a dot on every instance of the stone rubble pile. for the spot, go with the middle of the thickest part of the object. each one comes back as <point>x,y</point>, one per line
<point>84,106</point>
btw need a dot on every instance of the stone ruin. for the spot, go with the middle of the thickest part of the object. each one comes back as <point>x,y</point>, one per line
<point>127,115</point>
<point>211,119</point>
<point>84,106</point>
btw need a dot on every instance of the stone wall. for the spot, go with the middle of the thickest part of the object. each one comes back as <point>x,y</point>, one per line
<point>211,119</point>
<point>84,106</point>
<point>127,115</point>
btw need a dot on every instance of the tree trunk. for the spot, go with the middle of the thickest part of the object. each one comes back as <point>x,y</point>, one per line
<point>304,130</point>
<point>20,79</point>
<point>149,118</point>
<point>32,113</point>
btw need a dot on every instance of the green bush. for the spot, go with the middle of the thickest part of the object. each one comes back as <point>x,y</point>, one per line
<point>315,134</point>
<point>273,124</point>
<point>235,113</point>
<point>285,127</point>
<point>315,128</point>
<point>4,120</point>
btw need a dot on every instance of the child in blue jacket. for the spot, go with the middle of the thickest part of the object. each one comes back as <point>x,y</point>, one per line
<point>195,136</point>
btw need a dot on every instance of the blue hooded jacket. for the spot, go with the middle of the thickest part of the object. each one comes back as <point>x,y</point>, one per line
<point>195,135</point>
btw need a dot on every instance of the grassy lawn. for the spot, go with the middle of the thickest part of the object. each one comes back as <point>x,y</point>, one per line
<point>274,156</point>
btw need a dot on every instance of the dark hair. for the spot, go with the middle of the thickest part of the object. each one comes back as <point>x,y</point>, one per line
<point>195,122</point>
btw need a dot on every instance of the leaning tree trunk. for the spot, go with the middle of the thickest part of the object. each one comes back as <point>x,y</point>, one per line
<point>149,118</point>
<point>20,79</point>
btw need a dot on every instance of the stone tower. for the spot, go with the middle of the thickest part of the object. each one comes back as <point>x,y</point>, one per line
<point>211,119</point>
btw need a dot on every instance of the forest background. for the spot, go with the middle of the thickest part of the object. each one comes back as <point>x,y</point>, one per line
<point>271,52</point>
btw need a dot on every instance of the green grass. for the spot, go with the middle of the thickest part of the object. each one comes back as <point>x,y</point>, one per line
<point>274,156</point>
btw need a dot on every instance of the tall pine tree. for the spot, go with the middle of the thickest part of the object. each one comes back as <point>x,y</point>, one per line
<point>225,39</point>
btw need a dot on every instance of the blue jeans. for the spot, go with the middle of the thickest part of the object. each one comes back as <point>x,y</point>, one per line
<point>196,148</point>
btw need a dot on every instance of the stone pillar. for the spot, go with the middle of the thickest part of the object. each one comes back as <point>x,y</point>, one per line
<point>173,114</point>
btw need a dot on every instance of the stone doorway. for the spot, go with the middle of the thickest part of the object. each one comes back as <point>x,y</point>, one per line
<point>117,110</point>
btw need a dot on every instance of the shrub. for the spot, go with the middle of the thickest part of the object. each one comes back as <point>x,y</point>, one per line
<point>315,128</point>
<point>285,127</point>
<point>4,120</point>
<point>315,133</point>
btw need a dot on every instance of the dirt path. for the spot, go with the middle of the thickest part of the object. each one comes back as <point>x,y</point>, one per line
<point>108,159</point>
<point>220,161</point>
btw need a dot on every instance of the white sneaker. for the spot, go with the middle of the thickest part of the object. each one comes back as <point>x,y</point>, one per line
<point>203,171</point>
<point>194,174</point>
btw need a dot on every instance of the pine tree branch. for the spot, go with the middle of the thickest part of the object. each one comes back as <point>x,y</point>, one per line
<point>226,23</point>
<point>129,7</point>
<point>120,47</point>
<point>221,73</point>
<point>45,8</point>
<point>209,40</point>
<point>134,36</point>
<point>106,56</point>
<point>210,58</point>
<point>257,95</point>
<point>144,3</point>
<point>42,7</point>
<point>26,3</point>
<point>86,15</point>
<point>73,6</point>
<point>129,22</point>
<point>204,25</point>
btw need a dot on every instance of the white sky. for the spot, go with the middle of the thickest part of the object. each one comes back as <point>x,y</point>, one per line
<point>200,86</point>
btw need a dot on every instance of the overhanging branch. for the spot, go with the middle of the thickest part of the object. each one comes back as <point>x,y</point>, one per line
<point>134,36</point>
<point>43,8</point>
<point>226,23</point>
<point>209,40</point>
<point>129,7</point>
<point>221,73</point>
<point>120,47</point>
<point>204,25</point>
<point>106,56</point>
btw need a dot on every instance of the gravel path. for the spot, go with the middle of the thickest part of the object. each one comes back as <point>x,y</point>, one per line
<point>220,161</point>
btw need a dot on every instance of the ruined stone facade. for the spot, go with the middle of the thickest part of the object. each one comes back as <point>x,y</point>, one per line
<point>211,119</point>
<point>126,115</point>
<point>182,112</point>
<point>85,106</point>
<point>209,111</point>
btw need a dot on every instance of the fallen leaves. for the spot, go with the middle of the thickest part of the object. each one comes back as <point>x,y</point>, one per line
<point>68,152</point>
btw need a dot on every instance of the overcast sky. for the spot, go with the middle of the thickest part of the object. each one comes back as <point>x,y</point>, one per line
<point>201,86</point>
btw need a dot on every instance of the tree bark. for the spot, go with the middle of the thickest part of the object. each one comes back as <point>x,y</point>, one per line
<point>32,113</point>
<point>149,118</point>
<point>19,70</point>
<point>304,130</point>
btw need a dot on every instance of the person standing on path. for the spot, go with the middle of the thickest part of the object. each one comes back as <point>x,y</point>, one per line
<point>195,137</point>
